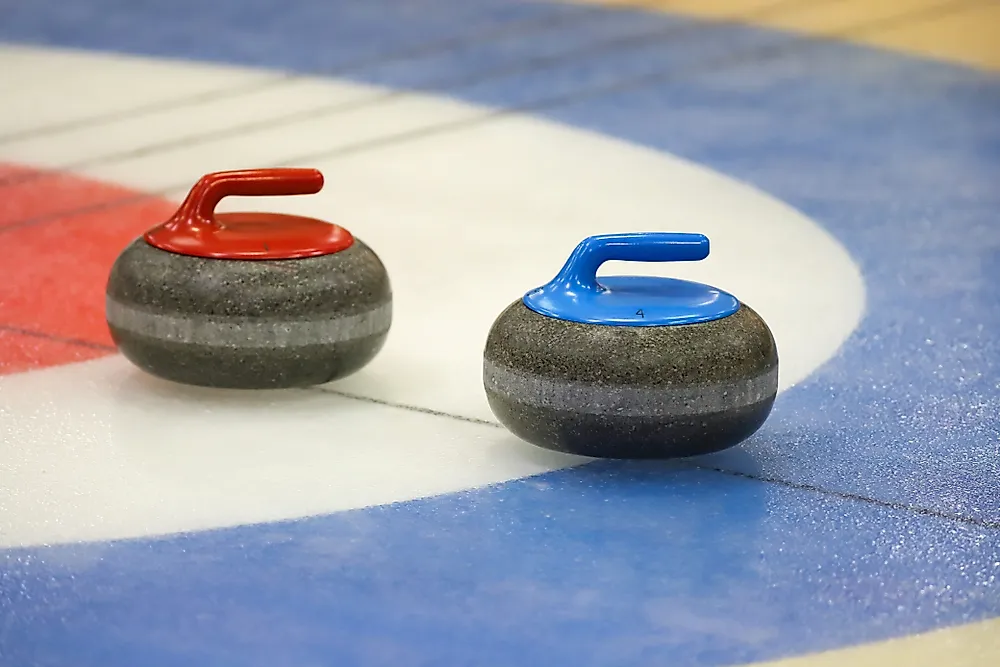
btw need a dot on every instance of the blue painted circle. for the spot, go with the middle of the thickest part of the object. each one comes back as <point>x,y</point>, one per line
<point>866,506</point>
<point>576,294</point>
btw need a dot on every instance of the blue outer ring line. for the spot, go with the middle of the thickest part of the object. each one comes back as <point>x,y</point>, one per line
<point>635,564</point>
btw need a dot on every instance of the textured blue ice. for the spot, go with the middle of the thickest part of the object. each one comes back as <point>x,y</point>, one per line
<point>617,563</point>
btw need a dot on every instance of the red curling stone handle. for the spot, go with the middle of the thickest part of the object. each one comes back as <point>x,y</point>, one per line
<point>199,206</point>
<point>197,230</point>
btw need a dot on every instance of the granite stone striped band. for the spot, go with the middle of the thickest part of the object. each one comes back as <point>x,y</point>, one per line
<point>237,332</point>
<point>627,401</point>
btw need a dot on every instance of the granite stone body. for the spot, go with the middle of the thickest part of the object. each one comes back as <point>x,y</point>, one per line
<point>630,391</point>
<point>249,324</point>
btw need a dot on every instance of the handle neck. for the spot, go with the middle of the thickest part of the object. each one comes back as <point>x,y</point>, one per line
<point>579,273</point>
<point>198,208</point>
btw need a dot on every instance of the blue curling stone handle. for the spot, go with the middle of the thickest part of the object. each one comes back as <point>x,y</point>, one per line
<point>577,295</point>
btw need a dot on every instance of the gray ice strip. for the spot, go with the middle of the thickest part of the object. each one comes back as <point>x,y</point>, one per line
<point>627,401</point>
<point>237,332</point>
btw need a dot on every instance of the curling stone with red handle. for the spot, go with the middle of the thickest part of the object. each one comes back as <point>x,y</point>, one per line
<point>630,366</point>
<point>249,300</point>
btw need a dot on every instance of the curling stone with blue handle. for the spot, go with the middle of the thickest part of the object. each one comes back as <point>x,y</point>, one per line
<point>630,366</point>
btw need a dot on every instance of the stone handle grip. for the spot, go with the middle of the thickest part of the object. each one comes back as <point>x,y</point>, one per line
<point>199,206</point>
<point>580,270</point>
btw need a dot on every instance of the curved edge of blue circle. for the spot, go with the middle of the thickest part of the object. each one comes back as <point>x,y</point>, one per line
<point>551,555</point>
